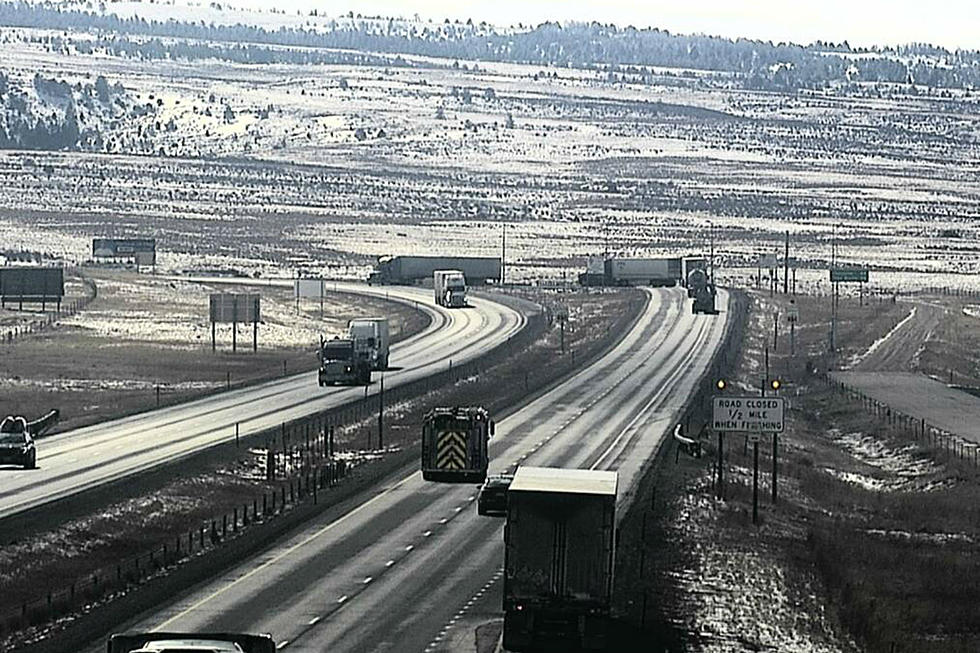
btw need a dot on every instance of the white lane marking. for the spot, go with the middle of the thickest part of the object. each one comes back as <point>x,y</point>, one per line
<point>342,599</point>
<point>284,554</point>
<point>427,534</point>
<point>443,520</point>
<point>389,563</point>
<point>409,547</point>
<point>314,621</point>
<point>642,413</point>
<point>367,580</point>
<point>283,644</point>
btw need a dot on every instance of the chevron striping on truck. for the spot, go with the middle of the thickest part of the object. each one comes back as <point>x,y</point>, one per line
<point>451,452</point>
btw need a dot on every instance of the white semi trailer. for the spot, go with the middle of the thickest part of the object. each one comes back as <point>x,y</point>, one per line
<point>372,340</point>
<point>449,287</point>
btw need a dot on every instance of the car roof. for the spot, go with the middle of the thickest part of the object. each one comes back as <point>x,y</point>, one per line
<point>203,645</point>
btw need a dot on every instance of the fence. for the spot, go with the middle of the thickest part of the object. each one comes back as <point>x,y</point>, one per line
<point>105,582</point>
<point>951,445</point>
<point>300,452</point>
<point>66,310</point>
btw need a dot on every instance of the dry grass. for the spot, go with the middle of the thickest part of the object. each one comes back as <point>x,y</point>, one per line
<point>143,332</point>
<point>141,523</point>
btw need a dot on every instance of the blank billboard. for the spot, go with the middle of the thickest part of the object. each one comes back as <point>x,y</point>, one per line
<point>312,288</point>
<point>229,307</point>
<point>29,284</point>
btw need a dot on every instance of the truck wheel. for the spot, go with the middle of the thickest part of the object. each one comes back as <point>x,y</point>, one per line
<point>514,639</point>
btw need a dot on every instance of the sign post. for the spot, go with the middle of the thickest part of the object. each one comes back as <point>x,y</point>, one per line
<point>753,416</point>
<point>234,308</point>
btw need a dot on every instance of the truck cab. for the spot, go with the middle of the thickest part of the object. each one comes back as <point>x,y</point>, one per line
<point>450,288</point>
<point>339,363</point>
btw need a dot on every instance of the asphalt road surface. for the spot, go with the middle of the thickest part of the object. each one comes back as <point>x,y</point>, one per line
<point>949,409</point>
<point>83,458</point>
<point>406,568</point>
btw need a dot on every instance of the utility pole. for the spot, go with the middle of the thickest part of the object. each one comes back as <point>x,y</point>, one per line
<point>786,266</point>
<point>503,255</point>
<point>381,414</point>
<point>833,294</point>
<point>711,258</point>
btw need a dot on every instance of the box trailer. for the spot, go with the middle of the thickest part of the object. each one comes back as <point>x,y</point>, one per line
<point>415,269</point>
<point>559,547</point>
<point>643,271</point>
<point>372,339</point>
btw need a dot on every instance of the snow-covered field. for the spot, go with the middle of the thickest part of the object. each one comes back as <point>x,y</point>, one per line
<point>325,167</point>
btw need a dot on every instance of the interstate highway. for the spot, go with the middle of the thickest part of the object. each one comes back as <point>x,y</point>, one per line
<point>76,460</point>
<point>396,570</point>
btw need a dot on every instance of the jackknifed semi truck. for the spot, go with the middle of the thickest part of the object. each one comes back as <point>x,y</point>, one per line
<point>340,363</point>
<point>454,444</point>
<point>559,548</point>
<point>417,269</point>
<point>449,288</point>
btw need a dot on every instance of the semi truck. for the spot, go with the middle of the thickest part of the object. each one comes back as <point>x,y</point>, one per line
<point>454,444</point>
<point>372,340</point>
<point>695,281</point>
<point>340,363</point>
<point>704,300</point>
<point>449,288</point>
<point>160,642</point>
<point>689,266</point>
<point>416,269</point>
<point>559,547</point>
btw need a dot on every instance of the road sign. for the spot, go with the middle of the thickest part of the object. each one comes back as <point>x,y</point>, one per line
<point>792,314</point>
<point>748,414</point>
<point>845,275</point>
<point>768,261</point>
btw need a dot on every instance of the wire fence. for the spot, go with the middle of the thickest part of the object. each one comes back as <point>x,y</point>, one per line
<point>50,318</point>
<point>300,454</point>
<point>945,443</point>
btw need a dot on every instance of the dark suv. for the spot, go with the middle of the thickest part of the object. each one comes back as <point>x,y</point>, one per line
<point>493,496</point>
<point>16,443</point>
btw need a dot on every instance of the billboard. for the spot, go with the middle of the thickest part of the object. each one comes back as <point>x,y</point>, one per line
<point>142,250</point>
<point>32,284</point>
<point>312,288</point>
<point>228,307</point>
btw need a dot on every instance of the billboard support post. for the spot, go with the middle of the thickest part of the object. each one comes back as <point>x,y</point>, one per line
<point>213,343</point>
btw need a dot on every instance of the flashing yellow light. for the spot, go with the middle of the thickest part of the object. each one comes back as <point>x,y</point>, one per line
<point>721,384</point>
<point>775,384</point>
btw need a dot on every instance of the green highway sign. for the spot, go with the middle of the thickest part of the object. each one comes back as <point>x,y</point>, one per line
<point>859,275</point>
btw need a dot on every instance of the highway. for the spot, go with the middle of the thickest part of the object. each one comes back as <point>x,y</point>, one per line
<point>397,570</point>
<point>86,457</point>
